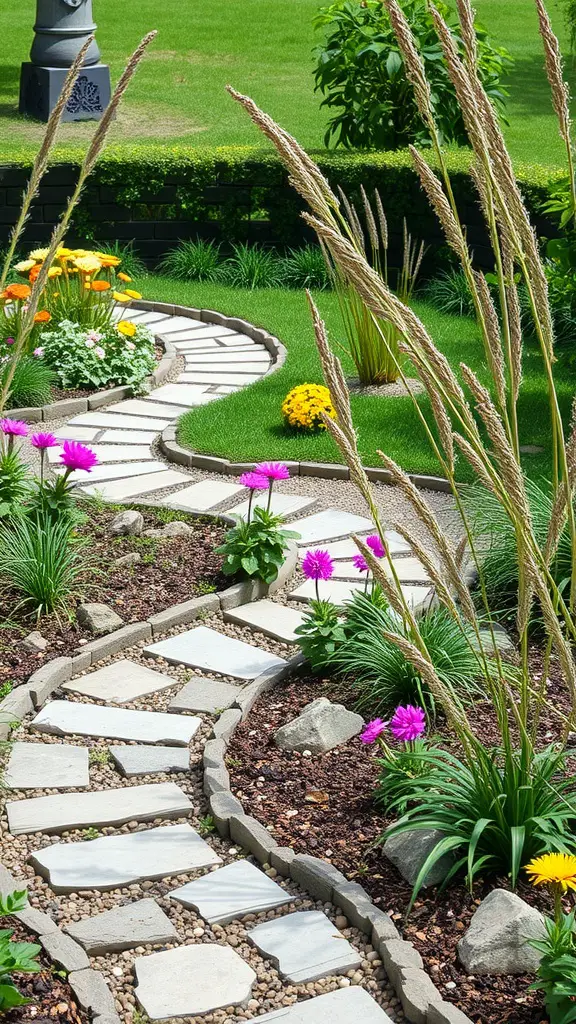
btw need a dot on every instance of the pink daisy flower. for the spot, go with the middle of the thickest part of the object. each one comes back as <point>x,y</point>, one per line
<point>14,428</point>
<point>273,470</point>
<point>407,723</point>
<point>255,481</point>
<point>317,565</point>
<point>43,441</point>
<point>77,456</point>
<point>376,545</point>
<point>373,730</point>
<point>360,563</point>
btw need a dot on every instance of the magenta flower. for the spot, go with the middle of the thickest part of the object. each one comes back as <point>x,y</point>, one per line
<point>10,341</point>
<point>317,565</point>
<point>273,470</point>
<point>407,723</point>
<point>43,441</point>
<point>255,481</point>
<point>373,730</point>
<point>360,563</point>
<point>77,456</point>
<point>14,428</point>
<point>376,545</point>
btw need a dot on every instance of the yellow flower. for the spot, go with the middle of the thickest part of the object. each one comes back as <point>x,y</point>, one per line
<point>108,260</point>
<point>24,266</point>
<point>39,254</point>
<point>120,297</point>
<point>303,406</point>
<point>127,328</point>
<point>557,869</point>
<point>54,271</point>
<point>82,252</point>
<point>132,293</point>
<point>88,264</point>
<point>62,251</point>
<point>124,277</point>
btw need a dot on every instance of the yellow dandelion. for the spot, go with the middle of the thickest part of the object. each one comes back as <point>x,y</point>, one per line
<point>557,869</point>
<point>127,328</point>
<point>132,293</point>
<point>54,271</point>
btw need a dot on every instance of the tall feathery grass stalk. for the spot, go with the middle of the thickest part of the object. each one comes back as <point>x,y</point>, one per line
<point>94,150</point>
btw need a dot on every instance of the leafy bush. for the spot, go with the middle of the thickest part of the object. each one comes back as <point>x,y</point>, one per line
<point>124,354</point>
<point>251,267</point>
<point>15,957</point>
<point>449,292</point>
<point>43,562</point>
<point>397,772</point>
<point>193,261</point>
<point>31,384</point>
<point>321,633</point>
<point>14,484</point>
<point>556,975</point>
<point>305,268</point>
<point>257,547</point>
<point>360,72</point>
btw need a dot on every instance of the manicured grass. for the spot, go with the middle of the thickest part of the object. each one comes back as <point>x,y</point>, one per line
<point>263,47</point>
<point>248,426</point>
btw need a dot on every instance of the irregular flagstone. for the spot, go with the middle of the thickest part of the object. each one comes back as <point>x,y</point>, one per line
<point>340,1007</point>
<point>97,809</point>
<point>202,330</point>
<point>67,718</point>
<point>121,682</point>
<point>206,494</point>
<point>343,549</point>
<point>47,766</point>
<point>280,505</point>
<point>109,453</point>
<point>120,860</point>
<point>113,471</point>
<point>118,490</point>
<point>183,394</point>
<point>329,524</point>
<point>232,892</point>
<point>208,649</point>
<point>139,407</point>
<point>116,419</point>
<point>133,761</point>
<point>203,345</point>
<point>305,946</point>
<point>192,980</point>
<point>129,436</point>
<point>137,924</point>
<point>148,317</point>
<point>217,377</point>
<point>269,617</point>
<point>336,591</point>
<point>203,694</point>
<point>72,433</point>
<point>229,356</point>
<point>220,366</point>
<point>409,570</point>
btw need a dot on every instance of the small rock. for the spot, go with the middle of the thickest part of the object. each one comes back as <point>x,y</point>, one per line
<point>98,618</point>
<point>321,726</point>
<point>130,522</point>
<point>35,642</point>
<point>175,529</point>
<point>410,850</point>
<point>132,558</point>
<point>497,940</point>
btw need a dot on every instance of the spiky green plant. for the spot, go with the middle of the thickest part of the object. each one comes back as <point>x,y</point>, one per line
<point>251,266</point>
<point>42,561</point>
<point>197,260</point>
<point>32,383</point>
<point>305,268</point>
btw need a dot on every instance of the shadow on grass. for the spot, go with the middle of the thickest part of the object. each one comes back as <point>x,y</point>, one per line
<point>9,89</point>
<point>528,86</point>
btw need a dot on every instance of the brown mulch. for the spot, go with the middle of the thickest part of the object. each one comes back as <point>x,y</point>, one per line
<point>323,805</point>
<point>51,998</point>
<point>170,570</point>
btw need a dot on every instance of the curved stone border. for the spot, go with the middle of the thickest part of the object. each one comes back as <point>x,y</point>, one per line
<point>421,1000</point>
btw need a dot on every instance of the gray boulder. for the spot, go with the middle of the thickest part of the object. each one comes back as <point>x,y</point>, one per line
<point>132,558</point>
<point>409,851</point>
<point>35,642</point>
<point>175,529</point>
<point>497,939</point>
<point>98,618</point>
<point>130,522</point>
<point>321,726</point>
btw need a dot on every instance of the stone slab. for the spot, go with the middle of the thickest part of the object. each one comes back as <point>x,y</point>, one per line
<point>187,395</point>
<point>207,494</point>
<point>306,946</point>
<point>409,570</point>
<point>232,892</point>
<point>67,718</point>
<point>133,761</point>
<point>114,471</point>
<point>115,419</point>
<point>281,505</point>
<point>97,809</point>
<point>145,317</point>
<point>121,682</point>
<point>74,433</point>
<point>139,407</point>
<point>218,377</point>
<point>118,490</point>
<point>177,333</point>
<point>192,980</point>
<point>340,1007</point>
<point>203,694</point>
<point>219,366</point>
<point>47,766</point>
<point>137,924</point>
<point>109,453</point>
<point>120,860</point>
<point>336,591</point>
<point>330,524</point>
<point>207,649</point>
<point>268,617</point>
<point>113,436</point>
<point>229,356</point>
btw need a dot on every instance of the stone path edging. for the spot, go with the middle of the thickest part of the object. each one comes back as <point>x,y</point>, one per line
<point>421,1000</point>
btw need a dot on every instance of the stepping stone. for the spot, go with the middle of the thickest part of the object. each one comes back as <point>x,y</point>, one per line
<point>207,649</point>
<point>109,453</point>
<point>215,377</point>
<point>133,761</point>
<point>232,892</point>
<point>47,766</point>
<point>182,323</point>
<point>139,407</point>
<point>149,317</point>
<point>203,345</point>
<point>115,419</point>
<point>305,946</point>
<point>234,340</point>
<point>229,356</point>
<point>202,330</point>
<point>72,433</point>
<point>191,980</point>
<point>112,862</point>
<point>281,505</point>
<point>340,1007</point>
<point>225,389</point>
<point>275,620</point>
<point>336,591</point>
<point>219,366</point>
<point>340,549</point>
<point>98,808</point>
<point>121,682</point>
<point>207,494</point>
<point>187,395</point>
<point>118,490</point>
<point>129,437</point>
<point>409,570</point>
<point>68,718</point>
<point>137,924</point>
<point>330,524</point>
<point>113,471</point>
<point>204,694</point>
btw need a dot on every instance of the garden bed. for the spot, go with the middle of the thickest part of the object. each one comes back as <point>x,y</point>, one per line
<point>169,570</point>
<point>51,998</point>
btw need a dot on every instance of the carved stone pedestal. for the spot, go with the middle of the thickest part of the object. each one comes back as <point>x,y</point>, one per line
<point>40,88</point>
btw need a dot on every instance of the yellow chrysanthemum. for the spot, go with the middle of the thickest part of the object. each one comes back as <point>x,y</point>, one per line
<point>558,869</point>
<point>132,293</point>
<point>127,328</point>
<point>24,266</point>
<point>63,252</point>
<point>39,254</point>
<point>88,264</point>
<point>303,407</point>
<point>82,252</point>
<point>124,277</point>
<point>108,260</point>
<point>120,297</point>
<point>54,271</point>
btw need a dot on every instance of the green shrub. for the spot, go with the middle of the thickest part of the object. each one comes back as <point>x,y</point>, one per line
<point>193,261</point>
<point>15,957</point>
<point>449,292</point>
<point>14,485</point>
<point>321,633</point>
<point>256,547</point>
<point>92,359</point>
<point>43,562</point>
<point>32,382</point>
<point>556,974</point>
<point>360,72</point>
<point>251,267</point>
<point>305,268</point>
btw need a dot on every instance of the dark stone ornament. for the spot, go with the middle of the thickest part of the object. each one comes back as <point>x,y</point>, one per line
<point>85,97</point>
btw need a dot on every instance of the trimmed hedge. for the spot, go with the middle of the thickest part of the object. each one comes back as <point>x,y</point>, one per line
<point>238,193</point>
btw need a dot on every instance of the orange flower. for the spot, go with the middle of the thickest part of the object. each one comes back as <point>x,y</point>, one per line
<point>34,273</point>
<point>124,277</point>
<point>42,317</point>
<point>20,292</point>
<point>100,286</point>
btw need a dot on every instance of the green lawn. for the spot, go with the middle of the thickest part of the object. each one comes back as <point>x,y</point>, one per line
<point>248,425</point>
<point>262,47</point>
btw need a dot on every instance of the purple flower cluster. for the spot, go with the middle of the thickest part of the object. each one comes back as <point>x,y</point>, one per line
<point>407,724</point>
<point>254,481</point>
<point>13,428</point>
<point>262,478</point>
